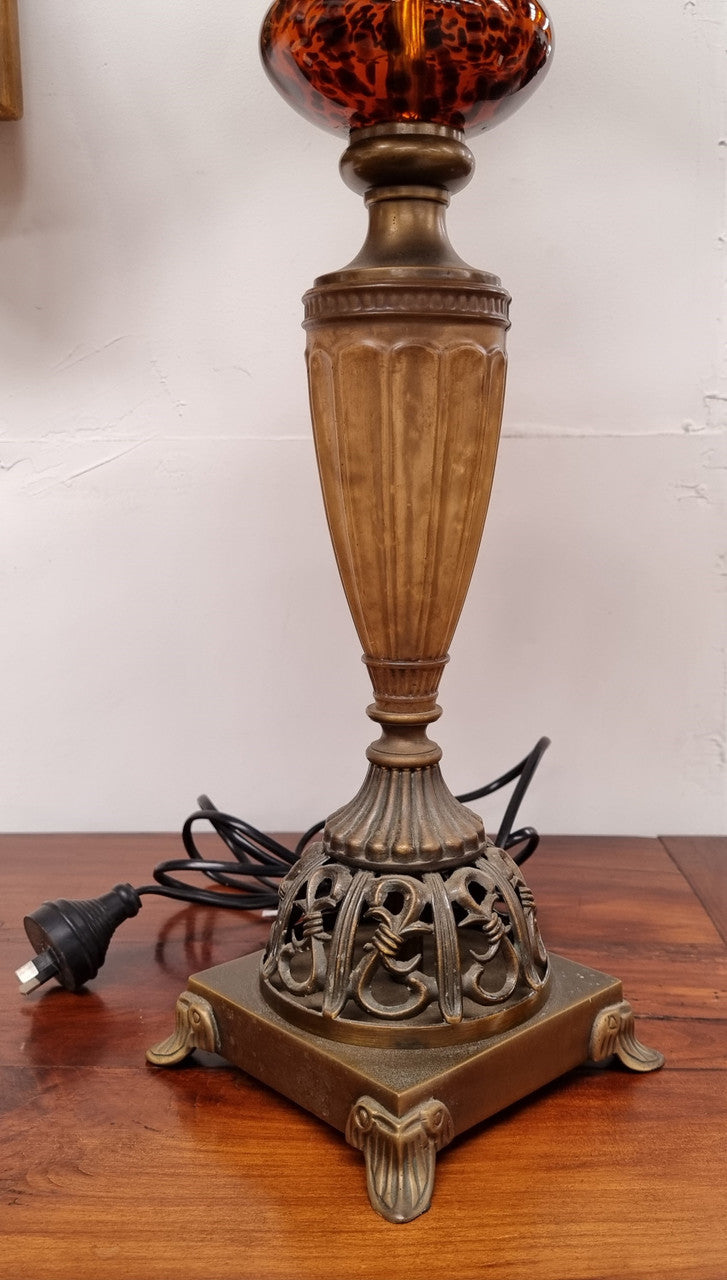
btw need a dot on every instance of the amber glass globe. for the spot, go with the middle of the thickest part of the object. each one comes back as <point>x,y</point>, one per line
<point>348,64</point>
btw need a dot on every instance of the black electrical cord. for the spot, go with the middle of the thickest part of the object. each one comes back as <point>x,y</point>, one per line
<point>70,938</point>
<point>506,838</point>
<point>261,861</point>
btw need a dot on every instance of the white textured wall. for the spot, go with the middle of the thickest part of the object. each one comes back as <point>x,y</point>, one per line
<point>171,615</point>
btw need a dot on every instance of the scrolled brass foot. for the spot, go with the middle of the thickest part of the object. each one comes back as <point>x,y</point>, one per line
<point>195,1029</point>
<point>613,1032</point>
<point>400,1154</point>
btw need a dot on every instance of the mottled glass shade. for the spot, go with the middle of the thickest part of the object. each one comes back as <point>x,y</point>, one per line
<point>349,64</point>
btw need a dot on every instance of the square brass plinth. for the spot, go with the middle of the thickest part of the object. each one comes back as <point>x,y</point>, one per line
<point>473,1080</point>
<point>400,1106</point>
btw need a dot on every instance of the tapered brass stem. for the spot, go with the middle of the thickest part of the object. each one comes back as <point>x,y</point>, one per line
<point>406,364</point>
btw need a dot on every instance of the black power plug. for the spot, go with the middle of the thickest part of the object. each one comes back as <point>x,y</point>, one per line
<point>71,938</point>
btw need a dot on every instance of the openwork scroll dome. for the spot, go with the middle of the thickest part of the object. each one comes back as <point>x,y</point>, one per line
<point>389,957</point>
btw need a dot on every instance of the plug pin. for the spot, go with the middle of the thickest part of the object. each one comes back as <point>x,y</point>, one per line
<point>35,972</point>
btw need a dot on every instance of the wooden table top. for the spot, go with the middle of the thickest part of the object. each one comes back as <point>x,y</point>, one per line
<point>112,1169</point>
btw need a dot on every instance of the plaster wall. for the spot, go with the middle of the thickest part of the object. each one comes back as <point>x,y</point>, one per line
<point>171,618</point>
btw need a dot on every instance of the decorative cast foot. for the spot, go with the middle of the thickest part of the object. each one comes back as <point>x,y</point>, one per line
<point>195,1029</point>
<point>400,1153</point>
<point>613,1033</point>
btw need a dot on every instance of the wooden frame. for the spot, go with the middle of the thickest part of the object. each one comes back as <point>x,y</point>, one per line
<point>11,88</point>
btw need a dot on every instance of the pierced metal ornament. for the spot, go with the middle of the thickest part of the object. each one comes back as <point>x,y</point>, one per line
<point>394,958</point>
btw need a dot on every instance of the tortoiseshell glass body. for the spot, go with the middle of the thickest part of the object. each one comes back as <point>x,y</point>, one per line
<point>349,64</point>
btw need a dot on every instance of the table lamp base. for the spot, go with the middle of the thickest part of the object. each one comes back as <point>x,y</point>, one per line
<point>400,1106</point>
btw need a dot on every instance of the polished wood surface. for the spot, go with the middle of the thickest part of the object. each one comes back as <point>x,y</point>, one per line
<point>110,1168</point>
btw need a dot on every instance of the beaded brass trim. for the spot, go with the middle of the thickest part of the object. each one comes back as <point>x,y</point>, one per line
<point>334,303</point>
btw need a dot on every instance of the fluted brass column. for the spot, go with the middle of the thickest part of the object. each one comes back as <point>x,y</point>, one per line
<point>406,360</point>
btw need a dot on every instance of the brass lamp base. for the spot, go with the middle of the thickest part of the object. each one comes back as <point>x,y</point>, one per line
<point>401,1106</point>
<point>406,993</point>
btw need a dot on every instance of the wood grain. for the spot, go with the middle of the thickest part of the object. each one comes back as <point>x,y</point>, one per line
<point>11,90</point>
<point>109,1168</point>
<point>702,861</point>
